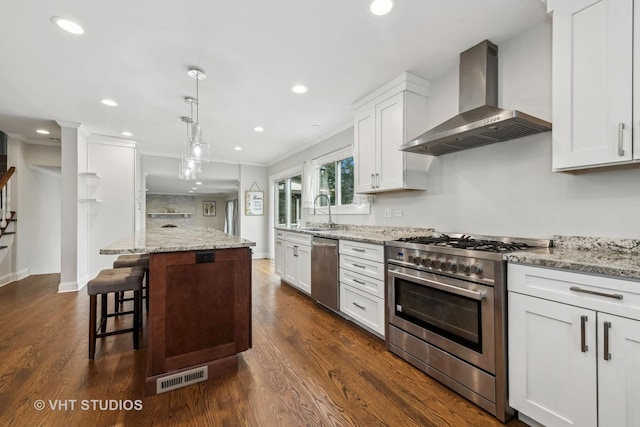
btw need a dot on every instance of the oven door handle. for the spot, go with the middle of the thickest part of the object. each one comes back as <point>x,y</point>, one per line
<point>441,286</point>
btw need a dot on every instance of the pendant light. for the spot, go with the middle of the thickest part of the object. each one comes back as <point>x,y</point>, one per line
<point>196,147</point>
<point>188,168</point>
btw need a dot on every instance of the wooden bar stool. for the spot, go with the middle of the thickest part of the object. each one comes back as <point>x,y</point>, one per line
<point>135,260</point>
<point>114,281</point>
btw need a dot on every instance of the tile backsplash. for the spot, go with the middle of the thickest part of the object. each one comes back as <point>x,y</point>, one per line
<point>170,206</point>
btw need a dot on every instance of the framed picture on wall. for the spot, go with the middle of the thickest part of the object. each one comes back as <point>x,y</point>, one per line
<point>209,208</point>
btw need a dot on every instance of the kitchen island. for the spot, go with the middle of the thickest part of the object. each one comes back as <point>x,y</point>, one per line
<point>199,303</point>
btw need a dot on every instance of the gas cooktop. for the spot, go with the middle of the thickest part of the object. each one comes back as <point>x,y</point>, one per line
<point>463,241</point>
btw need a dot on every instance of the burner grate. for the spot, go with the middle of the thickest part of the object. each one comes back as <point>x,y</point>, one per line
<point>466,242</point>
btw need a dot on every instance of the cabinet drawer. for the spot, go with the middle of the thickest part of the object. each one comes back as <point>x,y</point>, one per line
<point>279,234</point>
<point>372,269</point>
<point>364,283</point>
<point>610,295</point>
<point>363,308</point>
<point>300,238</point>
<point>362,250</point>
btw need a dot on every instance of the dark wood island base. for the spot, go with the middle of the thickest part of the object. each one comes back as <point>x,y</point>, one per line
<point>199,314</point>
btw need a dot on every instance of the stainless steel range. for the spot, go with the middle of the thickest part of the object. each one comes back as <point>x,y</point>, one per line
<point>447,311</point>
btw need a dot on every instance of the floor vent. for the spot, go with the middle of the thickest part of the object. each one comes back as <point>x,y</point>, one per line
<point>183,379</point>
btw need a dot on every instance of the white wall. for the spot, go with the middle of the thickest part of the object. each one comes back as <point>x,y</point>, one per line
<point>113,219</point>
<point>36,197</point>
<point>508,188</point>
<point>216,221</point>
<point>254,228</point>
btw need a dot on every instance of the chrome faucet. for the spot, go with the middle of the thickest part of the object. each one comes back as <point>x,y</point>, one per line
<point>328,204</point>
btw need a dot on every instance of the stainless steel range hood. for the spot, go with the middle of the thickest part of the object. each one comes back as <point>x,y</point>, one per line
<point>480,121</point>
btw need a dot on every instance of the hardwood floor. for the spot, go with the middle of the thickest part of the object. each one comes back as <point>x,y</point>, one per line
<point>307,367</point>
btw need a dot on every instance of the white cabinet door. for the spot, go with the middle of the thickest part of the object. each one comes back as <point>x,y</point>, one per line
<point>364,149</point>
<point>592,82</point>
<point>291,264</point>
<point>619,375</point>
<point>551,379</point>
<point>279,257</point>
<point>390,135</point>
<point>363,308</point>
<point>304,260</point>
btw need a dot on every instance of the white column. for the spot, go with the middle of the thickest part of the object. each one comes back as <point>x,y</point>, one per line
<point>73,260</point>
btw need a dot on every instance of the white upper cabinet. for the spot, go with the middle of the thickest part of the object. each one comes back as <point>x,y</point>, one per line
<point>593,78</point>
<point>383,121</point>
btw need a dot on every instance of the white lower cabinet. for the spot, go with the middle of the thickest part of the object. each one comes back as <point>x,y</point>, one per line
<point>574,348</point>
<point>362,307</point>
<point>279,257</point>
<point>362,284</point>
<point>293,260</point>
<point>550,379</point>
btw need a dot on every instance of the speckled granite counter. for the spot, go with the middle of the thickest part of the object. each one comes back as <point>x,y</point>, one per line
<point>360,233</point>
<point>174,240</point>
<point>590,255</point>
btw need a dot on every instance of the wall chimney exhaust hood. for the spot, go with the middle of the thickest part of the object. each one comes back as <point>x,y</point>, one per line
<point>480,121</point>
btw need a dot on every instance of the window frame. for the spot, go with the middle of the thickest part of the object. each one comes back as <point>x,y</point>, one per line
<point>334,157</point>
<point>286,177</point>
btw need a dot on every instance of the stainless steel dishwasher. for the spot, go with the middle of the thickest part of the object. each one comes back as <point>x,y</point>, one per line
<point>324,272</point>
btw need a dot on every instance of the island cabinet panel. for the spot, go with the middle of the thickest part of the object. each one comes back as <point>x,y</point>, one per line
<point>200,309</point>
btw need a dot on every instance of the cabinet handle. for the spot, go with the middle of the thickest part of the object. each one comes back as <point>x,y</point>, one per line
<point>361,307</point>
<point>295,251</point>
<point>377,180</point>
<point>607,326</point>
<point>602,294</point>
<point>357,249</point>
<point>359,265</point>
<point>620,138</point>
<point>373,180</point>
<point>361,282</point>
<point>583,326</point>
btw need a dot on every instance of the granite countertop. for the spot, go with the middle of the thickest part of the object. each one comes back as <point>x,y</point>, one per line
<point>175,240</point>
<point>591,255</point>
<point>376,235</point>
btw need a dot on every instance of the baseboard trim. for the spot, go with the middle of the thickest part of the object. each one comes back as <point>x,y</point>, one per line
<point>12,277</point>
<point>260,255</point>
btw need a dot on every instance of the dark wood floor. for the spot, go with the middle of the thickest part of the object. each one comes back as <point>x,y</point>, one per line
<point>307,367</point>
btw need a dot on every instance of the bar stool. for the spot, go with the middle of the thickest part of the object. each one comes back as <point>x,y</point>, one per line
<point>135,260</point>
<point>114,280</point>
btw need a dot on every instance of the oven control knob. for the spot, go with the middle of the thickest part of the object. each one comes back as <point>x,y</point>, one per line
<point>476,269</point>
<point>417,260</point>
<point>426,262</point>
<point>436,263</point>
<point>452,266</point>
<point>410,258</point>
<point>463,268</point>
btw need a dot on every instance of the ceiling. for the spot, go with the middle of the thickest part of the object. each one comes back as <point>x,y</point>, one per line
<point>253,51</point>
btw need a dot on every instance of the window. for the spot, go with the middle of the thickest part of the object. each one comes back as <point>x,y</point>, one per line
<point>335,180</point>
<point>288,201</point>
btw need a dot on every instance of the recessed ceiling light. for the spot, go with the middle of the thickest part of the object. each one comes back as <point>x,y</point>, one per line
<point>67,25</point>
<point>194,188</point>
<point>237,148</point>
<point>126,133</point>
<point>198,183</point>
<point>299,89</point>
<point>315,126</point>
<point>258,129</point>
<point>190,191</point>
<point>109,102</point>
<point>381,7</point>
<point>43,132</point>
